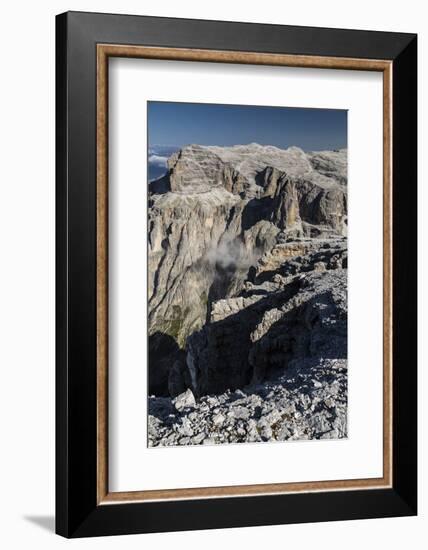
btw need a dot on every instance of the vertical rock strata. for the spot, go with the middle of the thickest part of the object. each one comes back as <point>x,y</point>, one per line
<point>247,295</point>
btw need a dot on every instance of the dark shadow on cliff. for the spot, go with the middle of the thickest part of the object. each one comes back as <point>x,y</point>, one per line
<point>223,346</point>
<point>160,186</point>
<point>256,210</point>
<point>228,358</point>
<point>220,285</point>
<point>163,409</point>
<point>314,330</point>
<point>164,352</point>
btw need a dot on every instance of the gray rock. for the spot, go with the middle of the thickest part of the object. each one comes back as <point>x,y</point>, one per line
<point>198,439</point>
<point>184,400</point>
<point>241,412</point>
<point>218,419</point>
<point>284,417</point>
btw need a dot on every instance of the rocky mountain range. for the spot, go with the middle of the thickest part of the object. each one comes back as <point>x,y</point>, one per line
<point>247,295</point>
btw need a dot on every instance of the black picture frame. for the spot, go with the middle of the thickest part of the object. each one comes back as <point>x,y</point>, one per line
<point>77,512</point>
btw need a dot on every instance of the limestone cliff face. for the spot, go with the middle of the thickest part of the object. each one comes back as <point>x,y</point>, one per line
<point>218,219</point>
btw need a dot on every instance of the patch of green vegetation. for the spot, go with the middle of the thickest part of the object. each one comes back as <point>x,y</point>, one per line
<point>174,326</point>
<point>204,298</point>
<point>176,312</point>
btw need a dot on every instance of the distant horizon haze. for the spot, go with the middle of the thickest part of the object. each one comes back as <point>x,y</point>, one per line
<point>178,124</point>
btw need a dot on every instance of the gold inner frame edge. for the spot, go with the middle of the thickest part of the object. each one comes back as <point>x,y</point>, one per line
<point>104,51</point>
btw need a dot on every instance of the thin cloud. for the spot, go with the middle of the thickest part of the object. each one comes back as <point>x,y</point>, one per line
<point>158,160</point>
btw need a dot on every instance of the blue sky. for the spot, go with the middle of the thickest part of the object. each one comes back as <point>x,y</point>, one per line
<point>179,124</point>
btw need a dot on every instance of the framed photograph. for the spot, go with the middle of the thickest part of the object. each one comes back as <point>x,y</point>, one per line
<point>236,274</point>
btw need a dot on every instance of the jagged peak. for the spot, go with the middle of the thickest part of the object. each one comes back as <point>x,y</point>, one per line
<point>199,168</point>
